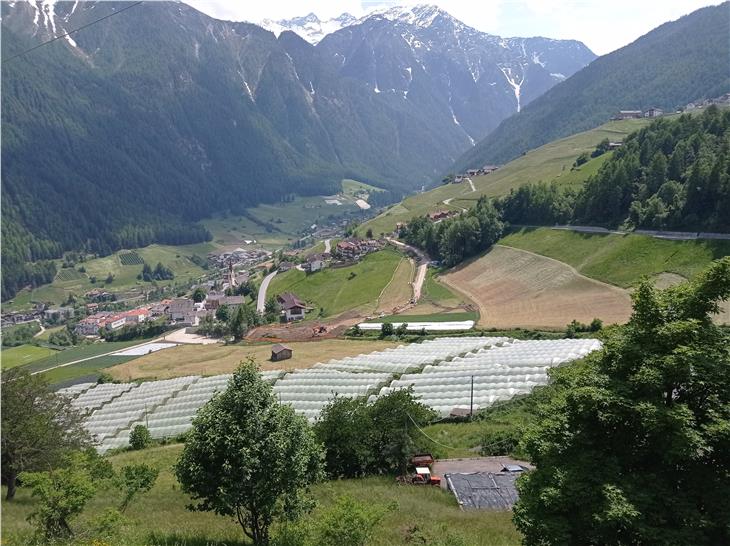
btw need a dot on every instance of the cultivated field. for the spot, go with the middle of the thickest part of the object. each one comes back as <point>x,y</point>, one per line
<point>620,259</point>
<point>23,354</point>
<point>550,162</point>
<point>398,291</point>
<point>159,517</point>
<point>218,359</point>
<point>514,288</point>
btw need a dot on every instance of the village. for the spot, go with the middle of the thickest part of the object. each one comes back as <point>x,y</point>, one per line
<point>233,273</point>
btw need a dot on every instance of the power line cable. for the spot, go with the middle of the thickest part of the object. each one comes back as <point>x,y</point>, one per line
<point>107,16</point>
<point>490,445</point>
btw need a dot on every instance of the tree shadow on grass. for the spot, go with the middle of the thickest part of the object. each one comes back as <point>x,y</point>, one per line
<point>175,539</point>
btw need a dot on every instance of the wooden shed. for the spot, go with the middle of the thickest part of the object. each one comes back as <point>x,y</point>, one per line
<point>280,352</point>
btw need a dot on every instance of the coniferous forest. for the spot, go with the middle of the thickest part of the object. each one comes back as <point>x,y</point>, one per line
<point>672,175</point>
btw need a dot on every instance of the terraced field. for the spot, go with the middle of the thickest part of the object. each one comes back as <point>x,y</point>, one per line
<point>515,288</point>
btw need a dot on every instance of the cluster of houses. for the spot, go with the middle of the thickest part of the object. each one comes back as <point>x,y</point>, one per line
<point>186,312</point>
<point>111,320</point>
<point>638,114</point>
<point>439,215</point>
<point>487,169</point>
<point>351,250</point>
<point>179,311</point>
<point>9,319</point>
<point>239,257</point>
<point>721,100</point>
<point>312,263</point>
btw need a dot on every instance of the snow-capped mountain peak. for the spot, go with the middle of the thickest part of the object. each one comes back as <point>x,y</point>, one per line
<point>310,27</point>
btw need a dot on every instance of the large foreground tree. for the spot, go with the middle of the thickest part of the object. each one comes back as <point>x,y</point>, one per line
<point>39,427</point>
<point>249,457</point>
<point>636,449</point>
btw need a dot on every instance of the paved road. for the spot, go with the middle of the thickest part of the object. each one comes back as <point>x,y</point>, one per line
<point>261,300</point>
<point>676,235</point>
<point>420,271</point>
<point>147,341</point>
<point>327,246</point>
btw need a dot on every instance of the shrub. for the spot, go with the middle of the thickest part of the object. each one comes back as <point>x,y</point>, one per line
<point>140,437</point>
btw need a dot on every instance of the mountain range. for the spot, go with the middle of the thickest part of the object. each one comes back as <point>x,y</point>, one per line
<point>129,130</point>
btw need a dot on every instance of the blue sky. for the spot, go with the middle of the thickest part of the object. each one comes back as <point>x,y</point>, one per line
<point>602,25</point>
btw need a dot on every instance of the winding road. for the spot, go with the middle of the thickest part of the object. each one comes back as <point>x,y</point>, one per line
<point>261,299</point>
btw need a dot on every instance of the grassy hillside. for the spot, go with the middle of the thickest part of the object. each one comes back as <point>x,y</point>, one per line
<point>124,270</point>
<point>276,225</point>
<point>551,162</point>
<point>619,259</point>
<point>160,518</point>
<point>341,289</point>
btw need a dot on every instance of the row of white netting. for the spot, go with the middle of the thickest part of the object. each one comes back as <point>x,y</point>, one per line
<point>412,358</point>
<point>308,391</point>
<point>490,375</point>
<point>446,374</point>
<point>167,411</point>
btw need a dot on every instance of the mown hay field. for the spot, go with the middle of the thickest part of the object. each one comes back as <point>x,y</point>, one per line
<point>516,288</point>
<point>219,358</point>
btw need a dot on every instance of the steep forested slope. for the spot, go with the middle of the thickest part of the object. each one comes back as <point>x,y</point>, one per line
<point>672,65</point>
<point>672,175</point>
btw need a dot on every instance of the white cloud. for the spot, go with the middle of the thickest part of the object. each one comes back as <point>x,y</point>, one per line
<point>602,26</point>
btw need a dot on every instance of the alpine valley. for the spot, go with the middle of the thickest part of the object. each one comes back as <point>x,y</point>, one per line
<point>128,132</point>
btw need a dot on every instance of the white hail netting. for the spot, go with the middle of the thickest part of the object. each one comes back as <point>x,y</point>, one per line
<point>440,372</point>
<point>412,358</point>
<point>491,374</point>
<point>308,391</point>
<point>166,407</point>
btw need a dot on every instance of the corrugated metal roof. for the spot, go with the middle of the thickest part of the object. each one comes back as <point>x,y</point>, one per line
<point>484,490</point>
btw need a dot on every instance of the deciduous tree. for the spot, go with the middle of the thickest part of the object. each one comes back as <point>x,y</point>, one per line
<point>249,457</point>
<point>39,427</point>
<point>636,449</point>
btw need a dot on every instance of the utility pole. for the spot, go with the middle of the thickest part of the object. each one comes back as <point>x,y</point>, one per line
<point>471,400</point>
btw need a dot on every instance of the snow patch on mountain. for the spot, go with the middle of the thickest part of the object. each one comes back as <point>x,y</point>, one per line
<point>512,80</point>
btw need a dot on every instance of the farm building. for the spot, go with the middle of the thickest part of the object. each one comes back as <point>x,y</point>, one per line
<point>629,114</point>
<point>439,215</point>
<point>285,266</point>
<point>292,307</point>
<point>654,113</point>
<point>315,262</point>
<point>280,352</point>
